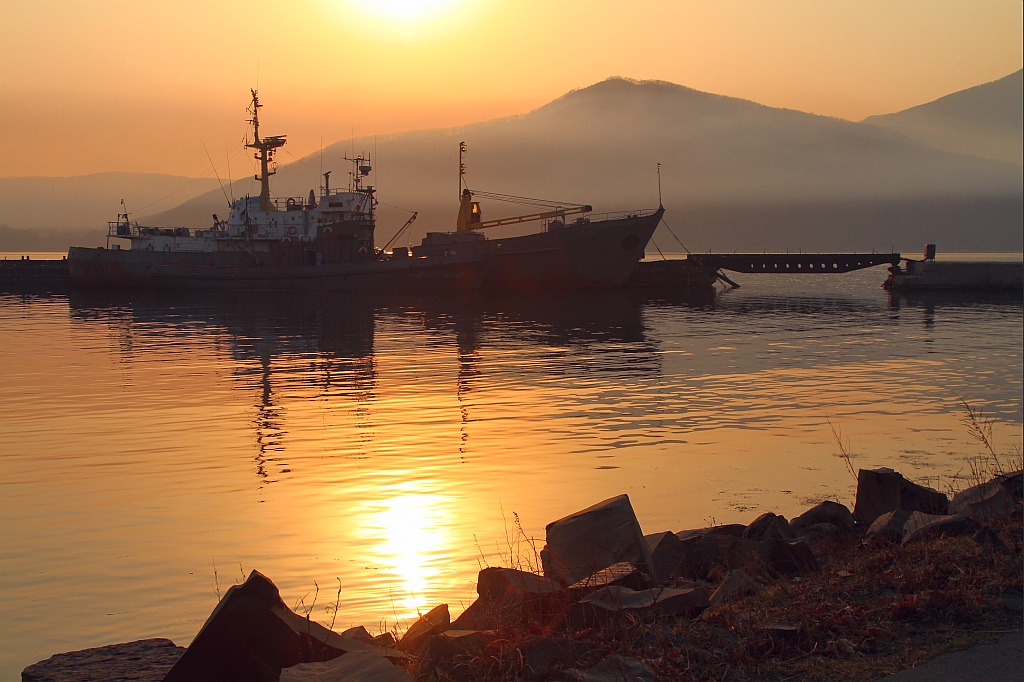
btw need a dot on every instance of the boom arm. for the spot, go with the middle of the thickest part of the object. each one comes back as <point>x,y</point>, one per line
<point>557,213</point>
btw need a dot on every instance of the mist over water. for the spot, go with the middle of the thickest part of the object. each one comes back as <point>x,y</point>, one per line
<point>157,448</point>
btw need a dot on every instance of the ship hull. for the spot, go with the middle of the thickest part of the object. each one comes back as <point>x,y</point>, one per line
<point>129,269</point>
<point>583,255</point>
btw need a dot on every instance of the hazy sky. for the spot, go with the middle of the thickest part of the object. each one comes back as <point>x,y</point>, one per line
<point>146,86</point>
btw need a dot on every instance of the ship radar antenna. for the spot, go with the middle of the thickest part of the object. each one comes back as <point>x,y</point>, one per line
<point>660,205</point>
<point>462,168</point>
<point>265,148</point>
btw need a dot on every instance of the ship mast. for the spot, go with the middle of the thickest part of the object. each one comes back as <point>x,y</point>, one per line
<point>265,153</point>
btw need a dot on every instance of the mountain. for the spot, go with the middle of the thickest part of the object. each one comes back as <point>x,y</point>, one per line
<point>49,213</point>
<point>734,175</point>
<point>985,121</point>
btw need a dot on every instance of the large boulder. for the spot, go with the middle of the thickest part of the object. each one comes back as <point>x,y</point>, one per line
<point>434,622</point>
<point>251,636</point>
<point>145,660</point>
<point>888,528</point>
<point>903,527</point>
<point>611,602</point>
<point>883,490</point>
<point>767,526</point>
<point>985,501</point>
<point>711,552</point>
<point>828,512</point>
<point>920,525</point>
<point>583,543</point>
<point>509,597</point>
<point>666,553</point>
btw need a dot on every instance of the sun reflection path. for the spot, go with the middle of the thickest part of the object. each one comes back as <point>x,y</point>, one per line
<point>407,526</point>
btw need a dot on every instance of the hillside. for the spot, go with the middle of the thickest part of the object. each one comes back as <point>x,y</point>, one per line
<point>985,121</point>
<point>90,200</point>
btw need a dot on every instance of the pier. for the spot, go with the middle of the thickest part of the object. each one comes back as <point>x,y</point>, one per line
<point>704,269</point>
<point>793,263</point>
<point>28,273</point>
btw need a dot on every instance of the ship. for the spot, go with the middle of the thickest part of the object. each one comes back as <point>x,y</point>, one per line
<point>573,249</point>
<point>321,242</point>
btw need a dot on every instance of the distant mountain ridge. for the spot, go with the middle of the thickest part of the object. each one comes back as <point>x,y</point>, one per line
<point>44,212</point>
<point>735,174</point>
<point>985,120</point>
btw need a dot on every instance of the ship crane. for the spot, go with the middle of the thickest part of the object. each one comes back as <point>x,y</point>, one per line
<point>558,213</point>
<point>470,216</point>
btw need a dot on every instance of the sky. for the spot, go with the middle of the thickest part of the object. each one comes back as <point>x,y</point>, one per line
<point>162,87</point>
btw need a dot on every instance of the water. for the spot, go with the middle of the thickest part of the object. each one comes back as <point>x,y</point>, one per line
<point>155,449</point>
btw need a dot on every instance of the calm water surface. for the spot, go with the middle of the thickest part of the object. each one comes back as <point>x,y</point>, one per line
<point>155,449</point>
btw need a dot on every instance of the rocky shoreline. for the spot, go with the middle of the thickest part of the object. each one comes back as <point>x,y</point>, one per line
<point>615,604</point>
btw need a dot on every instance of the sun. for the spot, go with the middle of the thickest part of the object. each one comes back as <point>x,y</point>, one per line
<point>404,11</point>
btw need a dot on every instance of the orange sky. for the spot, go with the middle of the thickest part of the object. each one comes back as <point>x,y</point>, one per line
<point>112,85</point>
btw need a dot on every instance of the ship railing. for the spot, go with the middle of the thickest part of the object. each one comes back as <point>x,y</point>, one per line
<point>123,228</point>
<point>620,215</point>
<point>289,203</point>
<point>600,217</point>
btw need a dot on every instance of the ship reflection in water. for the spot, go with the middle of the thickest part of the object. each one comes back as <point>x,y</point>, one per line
<point>157,447</point>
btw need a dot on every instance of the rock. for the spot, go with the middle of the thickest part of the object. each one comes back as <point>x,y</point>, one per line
<point>704,554</point>
<point>357,666</point>
<point>666,553</point>
<point>434,622</point>
<point>616,669</point>
<point>608,603</point>
<point>823,538</point>
<point>623,575</point>
<point>883,490</point>
<point>735,584</point>
<point>768,526</point>
<point>888,527</point>
<point>451,643</point>
<point>145,660</point>
<point>735,530</point>
<point>704,551</point>
<point>786,557</point>
<point>920,525</point>
<point>583,543</point>
<point>1014,484</point>
<point>543,656</point>
<point>251,636</point>
<point>826,512</point>
<point>984,501</point>
<point>508,597</point>
<point>358,632</point>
